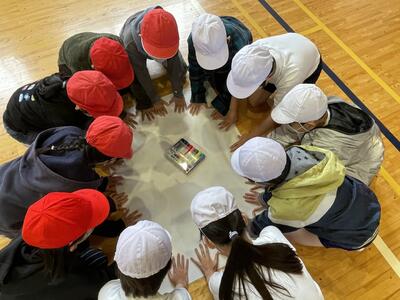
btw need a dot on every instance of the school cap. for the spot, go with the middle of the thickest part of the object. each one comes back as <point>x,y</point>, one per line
<point>143,249</point>
<point>60,218</point>
<point>93,92</point>
<point>250,68</point>
<point>259,159</point>
<point>109,57</point>
<point>111,136</point>
<point>210,41</point>
<point>159,32</point>
<point>212,204</point>
<point>303,103</point>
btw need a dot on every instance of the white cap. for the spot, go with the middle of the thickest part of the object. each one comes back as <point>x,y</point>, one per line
<point>303,103</point>
<point>143,249</point>
<point>212,204</point>
<point>210,41</point>
<point>259,159</point>
<point>250,67</point>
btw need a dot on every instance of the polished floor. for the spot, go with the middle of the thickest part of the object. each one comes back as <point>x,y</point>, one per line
<point>359,41</point>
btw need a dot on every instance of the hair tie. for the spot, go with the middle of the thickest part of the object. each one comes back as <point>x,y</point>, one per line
<point>233,234</point>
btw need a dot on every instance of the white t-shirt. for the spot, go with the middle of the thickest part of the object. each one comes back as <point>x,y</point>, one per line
<point>112,290</point>
<point>301,287</point>
<point>296,59</point>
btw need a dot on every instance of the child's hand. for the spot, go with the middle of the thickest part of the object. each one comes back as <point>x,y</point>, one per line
<point>206,264</point>
<point>194,108</point>
<point>119,199</point>
<point>178,275</point>
<point>131,218</point>
<point>229,120</point>
<point>130,120</point>
<point>160,109</point>
<point>180,103</point>
<point>148,113</point>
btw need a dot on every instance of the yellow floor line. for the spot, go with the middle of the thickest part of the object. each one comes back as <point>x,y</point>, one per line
<point>387,254</point>
<point>379,243</point>
<point>311,30</point>
<point>350,52</point>
<point>389,179</point>
<point>249,18</point>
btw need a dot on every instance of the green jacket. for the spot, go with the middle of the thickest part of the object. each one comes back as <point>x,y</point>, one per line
<point>299,198</point>
<point>74,54</point>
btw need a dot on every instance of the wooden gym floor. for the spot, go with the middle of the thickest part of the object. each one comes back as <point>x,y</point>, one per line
<point>359,40</point>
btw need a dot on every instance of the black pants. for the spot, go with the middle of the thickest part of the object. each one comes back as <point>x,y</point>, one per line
<point>223,99</point>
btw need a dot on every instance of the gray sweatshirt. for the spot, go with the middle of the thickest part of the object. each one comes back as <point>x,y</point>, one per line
<point>175,66</point>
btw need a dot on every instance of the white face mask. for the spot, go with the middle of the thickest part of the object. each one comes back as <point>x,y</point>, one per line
<point>300,128</point>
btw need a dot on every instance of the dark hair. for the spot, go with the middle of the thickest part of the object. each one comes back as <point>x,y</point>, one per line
<point>246,261</point>
<point>92,155</point>
<point>143,287</point>
<point>54,263</point>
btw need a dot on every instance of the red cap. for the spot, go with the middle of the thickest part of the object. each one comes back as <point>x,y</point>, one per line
<point>93,92</point>
<point>159,32</point>
<point>60,218</point>
<point>110,58</point>
<point>111,136</point>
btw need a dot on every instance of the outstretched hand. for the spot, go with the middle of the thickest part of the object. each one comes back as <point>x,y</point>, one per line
<point>179,272</point>
<point>204,262</point>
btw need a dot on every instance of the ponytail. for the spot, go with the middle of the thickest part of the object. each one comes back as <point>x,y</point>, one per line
<point>247,262</point>
<point>92,155</point>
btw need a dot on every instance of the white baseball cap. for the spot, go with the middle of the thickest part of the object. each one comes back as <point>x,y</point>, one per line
<point>212,204</point>
<point>210,41</point>
<point>259,159</point>
<point>250,67</point>
<point>143,249</point>
<point>303,103</point>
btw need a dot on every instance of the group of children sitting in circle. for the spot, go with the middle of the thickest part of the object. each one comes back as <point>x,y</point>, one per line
<point>310,163</point>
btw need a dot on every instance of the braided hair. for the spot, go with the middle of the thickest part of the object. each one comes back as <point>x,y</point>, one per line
<point>92,155</point>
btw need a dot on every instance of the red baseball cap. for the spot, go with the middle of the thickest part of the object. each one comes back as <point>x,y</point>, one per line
<point>111,136</point>
<point>93,92</point>
<point>159,32</point>
<point>60,218</point>
<point>109,57</point>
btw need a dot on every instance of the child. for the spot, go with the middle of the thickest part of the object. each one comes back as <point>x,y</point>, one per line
<point>306,116</point>
<point>103,52</point>
<point>52,260</point>
<point>144,257</point>
<point>269,68</point>
<point>265,268</point>
<point>213,43</point>
<point>307,195</point>
<point>153,34</point>
<point>60,159</point>
<point>53,101</point>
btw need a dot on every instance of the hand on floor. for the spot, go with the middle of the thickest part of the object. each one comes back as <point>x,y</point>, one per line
<point>160,109</point>
<point>131,218</point>
<point>194,108</point>
<point>242,139</point>
<point>204,262</point>
<point>179,272</point>
<point>148,113</point>
<point>229,120</point>
<point>130,120</point>
<point>180,103</point>
<point>119,199</point>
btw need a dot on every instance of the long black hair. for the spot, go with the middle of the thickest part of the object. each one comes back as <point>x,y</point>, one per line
<point>247,262</point>
<point>54,264</point>
<point>92,155</point>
